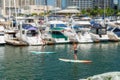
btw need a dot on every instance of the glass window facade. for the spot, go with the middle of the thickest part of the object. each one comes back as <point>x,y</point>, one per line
<point>81,4</point>
<point>101,3</point>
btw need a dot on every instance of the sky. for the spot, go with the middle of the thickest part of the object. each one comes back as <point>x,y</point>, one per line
<point>115,1</point>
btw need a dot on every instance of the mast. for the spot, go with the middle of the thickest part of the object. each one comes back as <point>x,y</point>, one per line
<point>15,13</point>
<point>4,8</point>
<point>104,14</point>
<point>46,8</point>
<point>25,2</point>
<point>55,7</point>
<point>9,8</point>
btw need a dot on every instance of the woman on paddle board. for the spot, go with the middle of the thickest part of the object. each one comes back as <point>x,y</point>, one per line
<point>75,50</point>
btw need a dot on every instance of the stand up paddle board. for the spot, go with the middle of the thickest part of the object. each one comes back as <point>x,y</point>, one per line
<point>76,61</point>
<point>39,52</point>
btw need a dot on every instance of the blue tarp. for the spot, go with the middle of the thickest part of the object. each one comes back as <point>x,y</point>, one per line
<point>29,27</point>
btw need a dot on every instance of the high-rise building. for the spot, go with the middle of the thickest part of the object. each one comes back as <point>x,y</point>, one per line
<point>18,3</point>
<point>80,4</point>
<point>7,5</point>
<point>58,3</point>
<point>63,4</point>
<point>118,4</point>
<point>0,3</point>
<point>22,3</point>
<point>103,3</point>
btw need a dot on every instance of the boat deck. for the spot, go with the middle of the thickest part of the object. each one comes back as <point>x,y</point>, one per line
<point>16,42</point>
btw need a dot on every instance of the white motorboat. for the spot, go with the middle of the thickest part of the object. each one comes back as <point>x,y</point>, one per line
<point>30,34</point>
<point>56,29</point>
<point>99,32</point>
<point>81,28</point>
<point>113,30</point>
<point>2,35</point>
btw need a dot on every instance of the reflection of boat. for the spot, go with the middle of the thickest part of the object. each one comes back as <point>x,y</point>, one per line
<point>2,53</point>
<point>30,34</point>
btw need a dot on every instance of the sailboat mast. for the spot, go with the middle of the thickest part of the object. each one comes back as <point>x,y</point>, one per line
<point>55,8</point>
<point>46,8</point>
<point>104,13</point>
<point>15,13</point>
<point>4,7</point>
<point>9,8</point>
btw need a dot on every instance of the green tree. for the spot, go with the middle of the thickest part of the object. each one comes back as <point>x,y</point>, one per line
<point>34,14</point>
<point>83,12</point>
<point>109,11</point>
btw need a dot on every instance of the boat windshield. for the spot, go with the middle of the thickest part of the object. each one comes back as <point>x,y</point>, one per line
<point>32,33</point>
<point>117,31</point>
<point>58,25</point>
<point>110,28</point>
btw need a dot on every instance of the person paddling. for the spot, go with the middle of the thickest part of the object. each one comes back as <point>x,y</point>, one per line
<point>75,50</point>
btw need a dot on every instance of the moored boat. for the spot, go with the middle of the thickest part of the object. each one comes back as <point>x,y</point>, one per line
<point>30,34</point>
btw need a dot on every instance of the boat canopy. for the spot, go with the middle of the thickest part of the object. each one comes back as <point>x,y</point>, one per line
<point>32,28</point>
<point>95,24</point>
<point>29,27</point>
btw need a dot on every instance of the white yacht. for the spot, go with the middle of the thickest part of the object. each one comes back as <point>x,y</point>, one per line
<point>99,31</point>
<point>81,28</point>
<point>83,34</point>
<point>30,34</point>
<point>113,31</point>
<point>56,29</point>
<point>2,35</point>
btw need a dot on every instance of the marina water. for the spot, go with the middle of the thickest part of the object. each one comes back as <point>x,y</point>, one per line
<point>18,63</point>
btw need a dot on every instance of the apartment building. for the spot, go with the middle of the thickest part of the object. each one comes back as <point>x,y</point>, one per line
<point>8,6</point>
<point>80,4</point>
<point>103,3</point>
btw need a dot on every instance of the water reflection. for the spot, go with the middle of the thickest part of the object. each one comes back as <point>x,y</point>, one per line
<point>2,49</point>
<point>17,63</point>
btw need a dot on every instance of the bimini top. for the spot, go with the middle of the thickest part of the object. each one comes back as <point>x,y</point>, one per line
<point>95,24</point>
<point>29,27</point>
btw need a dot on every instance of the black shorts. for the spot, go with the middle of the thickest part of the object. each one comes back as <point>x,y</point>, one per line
<point>75,51</point>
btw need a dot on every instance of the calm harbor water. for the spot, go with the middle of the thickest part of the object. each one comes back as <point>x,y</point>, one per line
<point>18,63</point>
